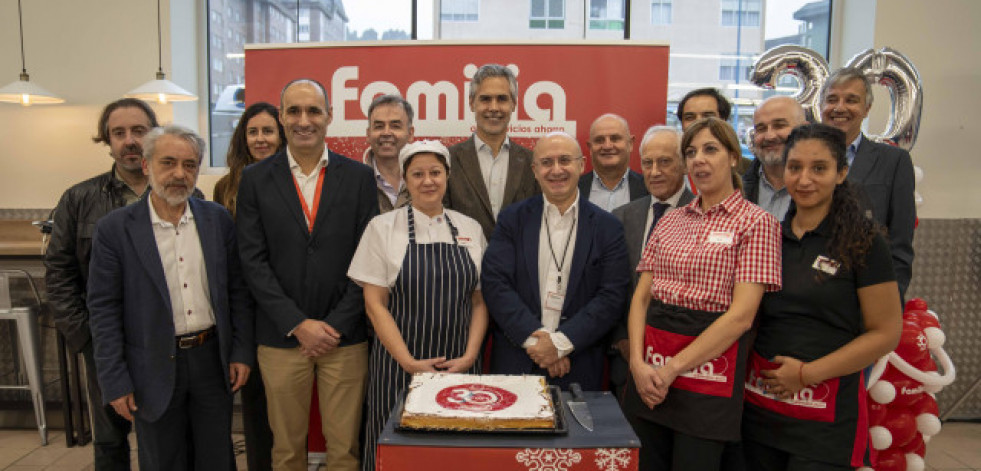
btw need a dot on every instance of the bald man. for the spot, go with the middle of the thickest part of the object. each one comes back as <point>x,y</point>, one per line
<point>763,181</point>
<point>555,275</point>
<point>611,183</point>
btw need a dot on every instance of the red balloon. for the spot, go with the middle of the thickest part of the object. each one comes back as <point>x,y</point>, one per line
<point>902,425</point>
<point>916,304</point>
<point>912,343</point>
<point>908,392</point>
<point>916,445</point>
<point>927,405</point>
<point>877,413</point>
<point>892,374</point>
<point>891,459</point>
<point>928,320</point>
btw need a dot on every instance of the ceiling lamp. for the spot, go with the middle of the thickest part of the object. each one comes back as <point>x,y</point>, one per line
<point>160,89</point>
<point>24,91</point>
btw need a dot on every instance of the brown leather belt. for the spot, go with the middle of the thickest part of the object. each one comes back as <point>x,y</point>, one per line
<point>195,339</point>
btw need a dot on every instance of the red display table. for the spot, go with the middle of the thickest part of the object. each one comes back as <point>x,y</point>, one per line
<point>612,446</point>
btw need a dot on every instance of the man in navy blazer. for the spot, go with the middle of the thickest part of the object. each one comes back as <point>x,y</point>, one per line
<point>171,318</point>
<point>883,173</point>
<point>611,183</point>
<point>555,275</point>
<point>300,217</point>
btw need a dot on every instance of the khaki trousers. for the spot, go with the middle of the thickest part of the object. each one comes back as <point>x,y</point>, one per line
<point>288,377</point>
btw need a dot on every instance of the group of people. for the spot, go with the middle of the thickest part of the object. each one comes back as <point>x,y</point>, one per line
<point>316,269</point>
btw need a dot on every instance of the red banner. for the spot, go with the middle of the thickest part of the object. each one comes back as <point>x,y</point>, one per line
<point>561,87</point>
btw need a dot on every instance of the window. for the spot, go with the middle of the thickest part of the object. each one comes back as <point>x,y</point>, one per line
<point>741,13</point>
<point>547,14</point>
<point>606,14</point>
<point>459,10</point>
<point>660,12</point>
<point>728,69</point>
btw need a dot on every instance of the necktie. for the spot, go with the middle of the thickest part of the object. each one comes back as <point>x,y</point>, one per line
<point>659,210</point>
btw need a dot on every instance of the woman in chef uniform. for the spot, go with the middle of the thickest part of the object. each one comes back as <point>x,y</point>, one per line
<point>419,266</point>
<point>703,273</point>
<point>838,312</point>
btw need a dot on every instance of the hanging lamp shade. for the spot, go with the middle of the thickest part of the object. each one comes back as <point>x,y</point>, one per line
<point>161,90</point>
<point>28,93</point>
<point>24,91</point>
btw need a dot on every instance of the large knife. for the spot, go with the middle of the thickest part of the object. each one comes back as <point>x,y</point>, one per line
<point>579,408</point>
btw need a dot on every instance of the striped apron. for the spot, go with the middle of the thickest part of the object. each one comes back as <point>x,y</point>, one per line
<point>431,305</point>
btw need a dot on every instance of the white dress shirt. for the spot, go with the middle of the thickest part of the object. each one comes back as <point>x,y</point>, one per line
<point>562,228</point>
<point>184,270</point>
<point>494,169</point>
<point>307,183</point>
<point>378,259</point>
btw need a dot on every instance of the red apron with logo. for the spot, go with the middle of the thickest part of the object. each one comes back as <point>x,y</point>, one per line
<point>705,402</point>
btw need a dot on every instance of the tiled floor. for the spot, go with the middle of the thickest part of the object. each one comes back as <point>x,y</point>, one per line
<point>958,447</point>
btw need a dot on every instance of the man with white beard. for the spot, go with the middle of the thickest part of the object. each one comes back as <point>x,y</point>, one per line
<point>763,182</point>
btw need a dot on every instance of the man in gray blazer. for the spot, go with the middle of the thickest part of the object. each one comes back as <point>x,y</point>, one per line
<point>489,171</point>
<point>883,173</point>
<point>664,176</point>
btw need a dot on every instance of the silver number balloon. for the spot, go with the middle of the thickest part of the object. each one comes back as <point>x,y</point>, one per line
<point>805,64</point>
<point>893,70</point>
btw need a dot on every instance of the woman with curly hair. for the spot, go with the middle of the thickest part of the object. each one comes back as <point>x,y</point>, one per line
<point>838,312</point>
<point>257,136</point>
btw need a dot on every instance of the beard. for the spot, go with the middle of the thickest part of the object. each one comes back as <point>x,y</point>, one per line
<point>171,191</point>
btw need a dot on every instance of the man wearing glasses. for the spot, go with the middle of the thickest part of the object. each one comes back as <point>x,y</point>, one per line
<point>555,275</point>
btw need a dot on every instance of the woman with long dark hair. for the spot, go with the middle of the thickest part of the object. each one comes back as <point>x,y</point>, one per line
<point>703,273</point>
<point>838,312</point>
<point>258,135</point>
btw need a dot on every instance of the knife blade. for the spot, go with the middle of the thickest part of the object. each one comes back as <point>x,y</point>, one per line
<point>579,408</point>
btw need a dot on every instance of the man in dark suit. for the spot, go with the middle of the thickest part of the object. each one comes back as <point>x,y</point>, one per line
<point>664,177</point>
<point>171,318</point>
<point>555,275</point>
<point>882,172</point>
<point>300,217</point>
<point>489,171</point>
<point>611,183</point>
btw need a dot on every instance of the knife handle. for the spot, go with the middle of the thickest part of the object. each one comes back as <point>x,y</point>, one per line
<point>576,391</point>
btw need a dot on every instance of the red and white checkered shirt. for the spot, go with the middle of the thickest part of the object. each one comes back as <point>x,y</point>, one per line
<point>697,257</point>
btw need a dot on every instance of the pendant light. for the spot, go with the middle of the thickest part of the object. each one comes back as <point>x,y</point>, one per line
<point>160,89</point>
<point>24,91</point>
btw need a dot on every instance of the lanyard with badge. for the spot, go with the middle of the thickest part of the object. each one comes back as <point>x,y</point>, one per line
<point>556,298</point>
<point>311,213</point>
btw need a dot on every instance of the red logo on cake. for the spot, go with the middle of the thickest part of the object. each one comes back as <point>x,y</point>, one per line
<point>475,398</point>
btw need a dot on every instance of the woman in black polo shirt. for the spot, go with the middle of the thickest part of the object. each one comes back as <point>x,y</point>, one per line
<point>838,312</point>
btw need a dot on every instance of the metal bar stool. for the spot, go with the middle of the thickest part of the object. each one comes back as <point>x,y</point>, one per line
<point>29,340</point>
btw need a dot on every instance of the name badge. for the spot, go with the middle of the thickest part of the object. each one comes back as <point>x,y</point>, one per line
<point>554,301</point>
<point>720,237</point>
<point>464,241</point>
<point>825,264</point>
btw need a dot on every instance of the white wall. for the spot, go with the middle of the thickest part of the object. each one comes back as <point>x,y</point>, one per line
<point>89,53</point>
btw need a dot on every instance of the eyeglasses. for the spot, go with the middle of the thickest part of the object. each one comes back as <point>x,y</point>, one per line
<point>564,161</point>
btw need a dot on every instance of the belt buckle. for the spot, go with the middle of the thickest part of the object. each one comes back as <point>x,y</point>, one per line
<point>187,342</point>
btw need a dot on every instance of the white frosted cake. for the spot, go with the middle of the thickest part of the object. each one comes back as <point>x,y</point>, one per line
<point>477,402</point>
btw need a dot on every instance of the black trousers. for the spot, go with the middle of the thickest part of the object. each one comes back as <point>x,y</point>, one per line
<point>663,449</point>
<point>255,420</point>
<point>110,431</point>
<point>764,458</point>
<point>195,432</point>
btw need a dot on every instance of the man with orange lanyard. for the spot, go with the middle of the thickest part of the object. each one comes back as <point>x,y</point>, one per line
<point>301,213</point>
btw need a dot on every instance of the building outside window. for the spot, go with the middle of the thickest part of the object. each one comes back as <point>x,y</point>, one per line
<point>706,50</point>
